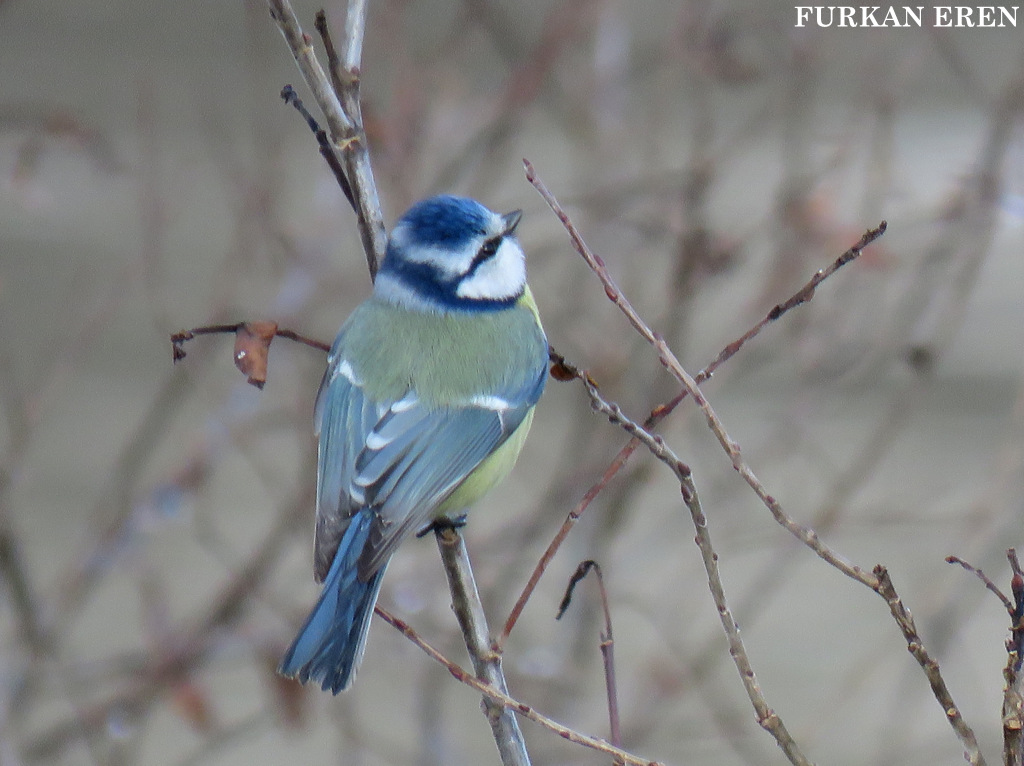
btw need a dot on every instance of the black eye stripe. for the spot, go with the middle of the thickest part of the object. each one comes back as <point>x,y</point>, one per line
<point>487,250</point>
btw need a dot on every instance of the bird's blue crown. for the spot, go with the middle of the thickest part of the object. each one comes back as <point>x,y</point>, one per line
<point>452,253</point>
<point>446,222</point>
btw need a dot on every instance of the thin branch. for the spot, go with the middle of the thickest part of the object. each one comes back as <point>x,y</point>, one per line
<point>463,676</point>
<point>915,646</point>
<point>985,579</point>
<point>562,370</point>
<point>1017,613</point>
<point>345,69</point>
<point>1013,693</point>
<point>607,642</point>
<point>289,96</point>
<point>343,116</point>
<point>807,536</point>
<point>767,718</point>
<point>252,345</point>
<point>180,337</point>
<point>470,613</point>
<point>878,580</point>
<point>333,60</point>
<point>301,46</point>
<point>1013,715</point>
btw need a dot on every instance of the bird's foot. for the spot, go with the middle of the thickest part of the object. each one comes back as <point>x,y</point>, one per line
<point>443,523</point>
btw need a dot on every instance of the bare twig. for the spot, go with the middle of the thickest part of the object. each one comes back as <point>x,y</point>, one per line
<point>1013,715</point>
<point>464,676</point>
<point>1013,692</point>
<point>607,642</point>
<point>487,663</point>
<point>672,364</point>
<point>878,580</point>
<point>252,345</point>
<point>344,68</point>
<point>561,369</point>
<point>289,96</point>
<point>341,111</point>
<point>985,579</point>
<point>1017,613</point>
<point>915,646</point>
<point>767,718</point>
<point>301,46</point>
<point>180,337</point>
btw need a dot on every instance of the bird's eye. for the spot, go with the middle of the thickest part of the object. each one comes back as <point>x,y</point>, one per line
<point>488,249</point>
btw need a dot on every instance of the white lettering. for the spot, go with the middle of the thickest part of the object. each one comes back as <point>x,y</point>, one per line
<point>855,16</point>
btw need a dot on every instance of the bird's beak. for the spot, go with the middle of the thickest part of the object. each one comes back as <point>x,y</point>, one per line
<point>511,221</point>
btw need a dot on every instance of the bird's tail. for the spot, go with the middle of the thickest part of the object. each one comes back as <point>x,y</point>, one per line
<point>330,644</point>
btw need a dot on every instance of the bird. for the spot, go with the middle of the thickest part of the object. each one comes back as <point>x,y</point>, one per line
<point>429,392</point>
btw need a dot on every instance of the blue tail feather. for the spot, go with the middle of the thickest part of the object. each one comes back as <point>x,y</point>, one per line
<point>330,644</point>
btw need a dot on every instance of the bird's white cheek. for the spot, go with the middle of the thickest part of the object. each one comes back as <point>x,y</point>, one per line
<point>503,276</point>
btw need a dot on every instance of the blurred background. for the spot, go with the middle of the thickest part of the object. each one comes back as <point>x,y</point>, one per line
<point>156,520</point>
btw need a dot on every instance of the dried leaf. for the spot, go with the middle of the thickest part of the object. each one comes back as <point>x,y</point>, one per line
<point>252,345</point>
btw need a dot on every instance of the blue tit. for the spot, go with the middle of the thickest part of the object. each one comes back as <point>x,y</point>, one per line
<point>428,395</point>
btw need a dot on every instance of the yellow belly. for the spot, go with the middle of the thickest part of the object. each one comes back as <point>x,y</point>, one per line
<point>489,473</point>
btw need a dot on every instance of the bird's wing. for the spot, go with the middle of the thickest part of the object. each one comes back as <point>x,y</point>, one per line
<point>400,458</point>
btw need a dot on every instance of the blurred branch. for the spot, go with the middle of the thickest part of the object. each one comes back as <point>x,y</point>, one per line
<point>44,124</point>
<point>526,80</point>
<point>13,567</point>
<point>187,652</point>
<point>936,304</point>
<point>14,572</point>
<point>114,507</point>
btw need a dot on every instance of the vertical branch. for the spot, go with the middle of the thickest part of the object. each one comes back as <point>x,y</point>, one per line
<point>338,99</point>
<point>301,45</point>
<point>1013,694</point>
<point>607,643</point>
<point>486,663</point>
<point>342,113</point>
